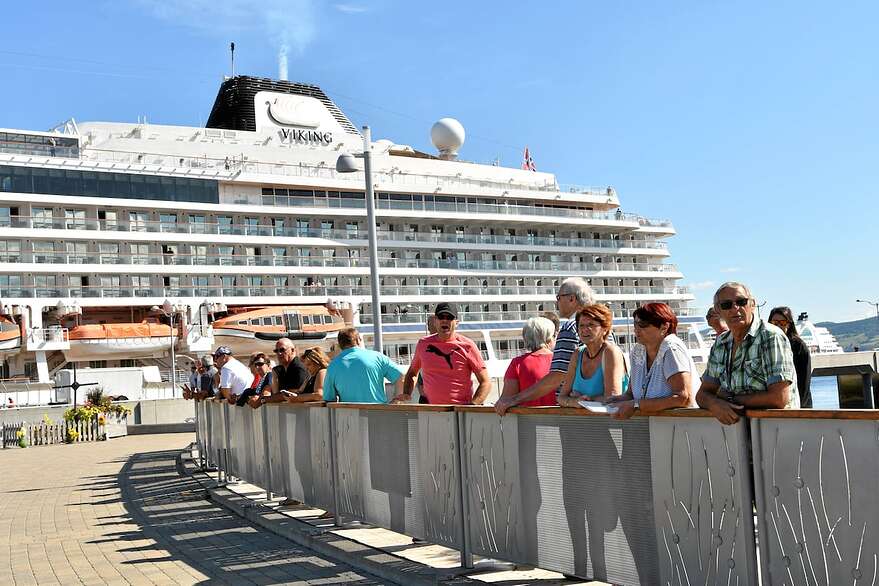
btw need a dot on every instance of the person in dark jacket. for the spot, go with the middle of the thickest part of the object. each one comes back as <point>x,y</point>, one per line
<point>782,318</point>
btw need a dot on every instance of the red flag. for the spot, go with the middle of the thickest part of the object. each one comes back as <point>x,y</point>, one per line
<point>528,162</point>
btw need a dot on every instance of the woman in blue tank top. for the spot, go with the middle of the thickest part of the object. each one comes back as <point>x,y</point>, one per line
<point>597,370</point>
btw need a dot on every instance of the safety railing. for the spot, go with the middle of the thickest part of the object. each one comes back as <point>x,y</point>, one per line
<point>182,226</point>
<point>651,500</point>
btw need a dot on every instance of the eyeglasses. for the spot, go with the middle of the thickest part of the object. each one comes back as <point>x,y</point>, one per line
<point>560,295</point>
<point>739,302</point>
<point>644,324</point>
<point>281,350</point>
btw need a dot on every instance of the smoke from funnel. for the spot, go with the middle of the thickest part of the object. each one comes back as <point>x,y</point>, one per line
<point>282,63</point>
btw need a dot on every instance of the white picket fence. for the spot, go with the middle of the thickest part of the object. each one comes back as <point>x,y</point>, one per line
<point>44,434</point>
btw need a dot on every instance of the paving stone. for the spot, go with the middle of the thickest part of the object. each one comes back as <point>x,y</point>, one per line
<point>118,512</point>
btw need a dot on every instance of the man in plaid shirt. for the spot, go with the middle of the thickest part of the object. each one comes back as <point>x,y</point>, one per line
<point>751,365</point>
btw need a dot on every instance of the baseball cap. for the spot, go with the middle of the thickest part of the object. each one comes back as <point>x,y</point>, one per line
<point>445,307</point>
<point>223,350</point>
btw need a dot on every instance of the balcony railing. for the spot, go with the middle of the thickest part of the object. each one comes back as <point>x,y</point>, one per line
<point>106,258</point>
<point>213,228</point>
<point>321,171</point>
<point>319,292</point>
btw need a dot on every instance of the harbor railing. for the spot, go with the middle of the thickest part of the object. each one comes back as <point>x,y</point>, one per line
<point>664,499</point>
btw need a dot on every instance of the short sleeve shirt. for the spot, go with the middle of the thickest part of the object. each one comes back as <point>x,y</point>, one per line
<point>763,358</point>
<point>527,369</point>
<point>565,345</point>
<point>357,375</point>
<point>235,376</point>
<point>671,359</point>
<point>447,368</point>
<point>292,377</point>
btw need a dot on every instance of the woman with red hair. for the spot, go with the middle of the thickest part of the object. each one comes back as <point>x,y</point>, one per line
<point>663,373</point>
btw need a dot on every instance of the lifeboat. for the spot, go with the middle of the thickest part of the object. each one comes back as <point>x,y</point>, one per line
<point>10,337</point>
<point>119,341</point>
<point>254,329</point>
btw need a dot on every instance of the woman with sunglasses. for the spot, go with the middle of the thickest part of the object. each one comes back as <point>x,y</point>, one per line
<point>783,318</point>
<point>597,371</point>
<point>663,372</point>
<point>315,362</point>
<point>262,381</point>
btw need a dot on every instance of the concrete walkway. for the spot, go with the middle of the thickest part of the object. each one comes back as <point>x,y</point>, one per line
<point>118,512</point>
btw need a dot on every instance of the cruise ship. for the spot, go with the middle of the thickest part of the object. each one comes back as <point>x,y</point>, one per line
<point>121,241</point>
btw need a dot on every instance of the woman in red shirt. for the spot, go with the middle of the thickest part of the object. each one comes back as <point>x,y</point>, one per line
<point>525,370</point>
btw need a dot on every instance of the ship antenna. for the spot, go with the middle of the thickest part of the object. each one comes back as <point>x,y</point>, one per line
<point>232,51</point>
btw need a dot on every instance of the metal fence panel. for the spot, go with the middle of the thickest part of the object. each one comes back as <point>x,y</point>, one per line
<point>397,469</point>
<point>702,501</point>
<point>256,454</point>
<point>565,493</point>
<point>816,482</point>
<point>276,466</point>
<point>218,428</point>
<point>303,454</point>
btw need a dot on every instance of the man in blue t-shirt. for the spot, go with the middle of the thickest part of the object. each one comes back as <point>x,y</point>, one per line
<point>357,375</point>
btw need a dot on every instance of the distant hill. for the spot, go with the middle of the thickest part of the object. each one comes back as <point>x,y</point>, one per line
<point>863,333</point>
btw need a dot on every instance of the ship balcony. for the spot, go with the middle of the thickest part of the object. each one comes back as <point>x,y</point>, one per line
<point>451,263</point>
<point>272,231</point>
<point>47,339</point>
<point>322,292</point>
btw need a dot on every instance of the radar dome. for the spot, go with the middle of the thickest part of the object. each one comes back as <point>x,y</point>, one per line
<point>447,135</point>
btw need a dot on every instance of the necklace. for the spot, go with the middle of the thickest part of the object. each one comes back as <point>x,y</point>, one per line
<point>597,352</point>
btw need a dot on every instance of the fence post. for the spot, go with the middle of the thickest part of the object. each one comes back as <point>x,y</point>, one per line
<point>334,468</point>
<point>463,500</point>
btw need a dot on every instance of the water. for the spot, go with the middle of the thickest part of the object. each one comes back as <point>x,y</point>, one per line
<point>824,392</point>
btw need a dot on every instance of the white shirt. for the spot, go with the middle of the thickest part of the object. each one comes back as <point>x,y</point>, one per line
<point>235,376</point>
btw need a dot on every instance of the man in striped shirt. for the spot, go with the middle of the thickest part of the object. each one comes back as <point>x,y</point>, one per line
<point>574,294</point>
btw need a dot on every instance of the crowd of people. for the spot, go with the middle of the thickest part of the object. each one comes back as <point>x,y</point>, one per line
<point>752,364</point>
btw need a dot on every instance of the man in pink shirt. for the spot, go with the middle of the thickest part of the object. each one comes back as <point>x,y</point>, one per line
<point>447,361</point>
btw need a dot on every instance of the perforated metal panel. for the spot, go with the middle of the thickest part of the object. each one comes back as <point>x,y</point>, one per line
<point>303,454</point>
<point>397,470</point>
<point>817,485</point>
<point>566,493</point>
<point>702,501</point>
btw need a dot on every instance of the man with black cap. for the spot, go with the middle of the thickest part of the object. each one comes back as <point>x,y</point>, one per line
<point>447,361</point>
<point>234,376</point>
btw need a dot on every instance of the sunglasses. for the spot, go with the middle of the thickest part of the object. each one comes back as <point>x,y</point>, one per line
<point>445,317</point>
<point>281,350</point>
<point>260,363</point>
<point>739,302</point>
<point>644,324</point>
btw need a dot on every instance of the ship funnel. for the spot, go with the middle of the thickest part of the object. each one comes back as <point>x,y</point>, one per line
<point>282,63</point>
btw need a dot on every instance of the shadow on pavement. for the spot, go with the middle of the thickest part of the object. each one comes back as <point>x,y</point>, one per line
<point>176,523</point>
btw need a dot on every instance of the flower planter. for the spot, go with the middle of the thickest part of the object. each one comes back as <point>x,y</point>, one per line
<point>115,425</point>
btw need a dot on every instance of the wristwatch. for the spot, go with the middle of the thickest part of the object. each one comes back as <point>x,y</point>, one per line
<point>262,400</point>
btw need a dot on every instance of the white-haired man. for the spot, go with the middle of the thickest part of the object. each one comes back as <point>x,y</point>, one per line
<point>751,365</point>
<point>573,295</point>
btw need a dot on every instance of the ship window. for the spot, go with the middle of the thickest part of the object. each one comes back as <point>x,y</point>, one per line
<point>278,321</point>
<point>242,322</point>
<point>306,320</point>
<point>328,319</point>
<point>267,321</point>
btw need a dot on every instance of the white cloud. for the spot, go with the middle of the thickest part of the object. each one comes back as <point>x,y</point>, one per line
<point>351,8</point>
<point>702,285</point>
<point>731,270</point>
<point>289,23</point>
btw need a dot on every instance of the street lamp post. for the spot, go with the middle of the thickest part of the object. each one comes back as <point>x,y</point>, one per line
<point>346,163</point>
<point>873,303</point>
<point>170,310</point>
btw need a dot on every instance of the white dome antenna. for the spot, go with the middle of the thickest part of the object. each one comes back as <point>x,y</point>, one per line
<point>448,136</point>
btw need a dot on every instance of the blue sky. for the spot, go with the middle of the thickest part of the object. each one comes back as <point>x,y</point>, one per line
<point>751,125</point>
